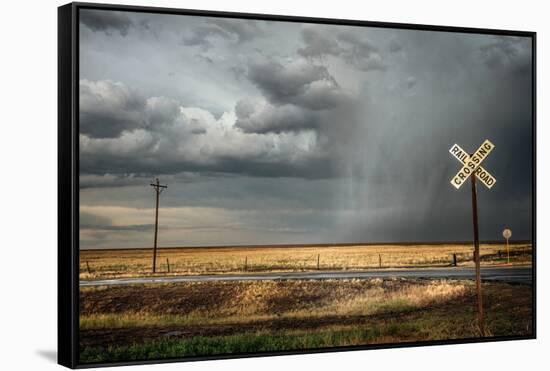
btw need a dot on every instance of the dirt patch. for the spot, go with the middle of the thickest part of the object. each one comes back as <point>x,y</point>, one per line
<point>159,299</point>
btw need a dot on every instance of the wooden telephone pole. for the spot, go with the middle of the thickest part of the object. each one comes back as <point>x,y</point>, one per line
<point>158,190</point>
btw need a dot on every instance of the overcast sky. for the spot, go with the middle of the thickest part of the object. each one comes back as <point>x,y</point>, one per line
<point>277,133</point>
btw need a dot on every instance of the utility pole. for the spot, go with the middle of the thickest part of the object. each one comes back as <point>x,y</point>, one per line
<point>158,190</point>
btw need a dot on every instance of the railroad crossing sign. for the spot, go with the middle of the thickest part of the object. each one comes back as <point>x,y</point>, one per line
<point>473,165</point>
<point>472,169</point>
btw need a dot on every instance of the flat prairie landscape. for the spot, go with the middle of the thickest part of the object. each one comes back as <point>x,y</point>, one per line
<point>96,264</point>
<point>184,319</point>
<point>137,322</point>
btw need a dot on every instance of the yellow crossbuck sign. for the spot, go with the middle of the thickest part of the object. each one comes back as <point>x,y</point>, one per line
<point>472,169</point>
<point>472,164</point>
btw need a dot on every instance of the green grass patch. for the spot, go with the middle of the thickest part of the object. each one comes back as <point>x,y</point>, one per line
<point>243,343</point>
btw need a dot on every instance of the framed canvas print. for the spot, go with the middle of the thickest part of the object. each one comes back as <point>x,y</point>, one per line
<point>236,185</point>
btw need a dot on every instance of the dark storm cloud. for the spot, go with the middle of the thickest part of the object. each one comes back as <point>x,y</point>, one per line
<point>106,21</point>
<point>352,48</point>
<point>361,54</point>
<point>411,82</point>
<point>301,126</point>
<point>243,30</point>
<point>507,52</point>
<point>361,45</point>
<point>160,110</point>
<point>262,165</point>
<point>225,29</point>
<point>238,71</point>
<point>204,58</point>
<point>199,131</point>
<point>108,108</point>
<point>261,117</point>
<point>240,193</point>
<point>395,47</point>
<point>300,83</point>
<point>111,180</point>
<point>317,44</point>
<point>201,36</point>
<point>156,136</point>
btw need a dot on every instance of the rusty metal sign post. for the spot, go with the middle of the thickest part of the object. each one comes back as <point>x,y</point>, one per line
<point>472,169</point>
<point>158,190</point>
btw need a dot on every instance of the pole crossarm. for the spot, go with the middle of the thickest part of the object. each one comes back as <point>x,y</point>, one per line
<point>158,187</point>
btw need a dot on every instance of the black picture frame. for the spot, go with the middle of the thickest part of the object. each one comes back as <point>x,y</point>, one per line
<point>68,175</point>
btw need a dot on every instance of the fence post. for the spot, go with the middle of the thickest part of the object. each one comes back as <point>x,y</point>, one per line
<point>88,267</point>
<point>318,260</point>
<point>245,263</point>
<point>168,264</point>
<point>454,260</point>
<point>379,261</point>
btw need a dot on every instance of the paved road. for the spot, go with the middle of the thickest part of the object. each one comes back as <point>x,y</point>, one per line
<point>506,274</point>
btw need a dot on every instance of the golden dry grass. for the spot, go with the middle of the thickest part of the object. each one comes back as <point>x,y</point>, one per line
<point>191,261</point>
<point>390,310</point>
<point>200,318</point>
<point>241,302</point>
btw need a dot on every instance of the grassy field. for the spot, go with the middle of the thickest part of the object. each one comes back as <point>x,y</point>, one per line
<point>96,264</point>
<point>139,322</point>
